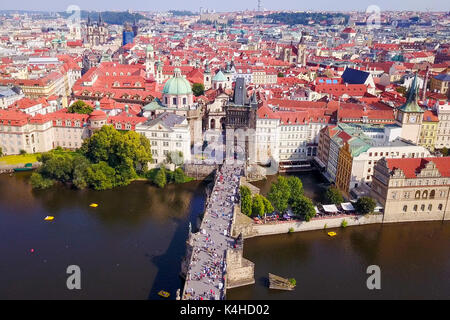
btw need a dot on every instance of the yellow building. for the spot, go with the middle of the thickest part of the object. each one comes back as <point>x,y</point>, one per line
<point>440,83</point>
<point>428,130</point>
<point>344,169</point>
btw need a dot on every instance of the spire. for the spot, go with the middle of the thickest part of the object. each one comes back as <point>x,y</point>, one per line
<point>100,19</point>
<point>411,104</point>
<point>89,20</point>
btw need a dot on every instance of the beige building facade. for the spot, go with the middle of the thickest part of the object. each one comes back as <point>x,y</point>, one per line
<point>413,189</point>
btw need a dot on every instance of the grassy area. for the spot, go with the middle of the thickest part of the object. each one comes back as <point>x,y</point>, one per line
<point>27,158</point>
<point>19,159</point>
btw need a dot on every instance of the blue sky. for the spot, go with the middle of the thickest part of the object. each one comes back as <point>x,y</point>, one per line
<point>228,5</point>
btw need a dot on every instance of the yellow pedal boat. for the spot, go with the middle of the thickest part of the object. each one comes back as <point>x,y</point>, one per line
<point>93,205</point>
<point>332,233</point>
<point>163,294</point>
<point>49,218</point>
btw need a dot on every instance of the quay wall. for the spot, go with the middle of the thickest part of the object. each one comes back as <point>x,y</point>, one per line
<point>319,224</point>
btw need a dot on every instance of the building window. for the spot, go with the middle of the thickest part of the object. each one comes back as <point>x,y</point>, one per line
<point>430,207</point>
<point>432,193</point>
<point>422,207</point>
<point>425,194</point>
<point>440,207</point>
<point>405,208</point>
<point>415,207</point>
<point>418,194</point>
<point>174,101</point>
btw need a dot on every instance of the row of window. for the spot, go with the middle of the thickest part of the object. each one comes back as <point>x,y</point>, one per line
<point>420,195</point>
<point>415,208</point>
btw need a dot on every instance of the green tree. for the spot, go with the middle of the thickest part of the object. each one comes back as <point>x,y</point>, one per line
<point>119,150</point>
<point>246,200</point>
<point>258,208</point>
<point>280,75</point>
<point>161,178</point>
<point>268,208</point>
<point>333,195</point>
<point>39,182</point>
<point>1,152</point>
<point>180,176</point>
<point>100,176</point>
<point>198,89</point>
<point>80,107</point>
<point>57,166</point>
<point>401,90</point>
<point>444,151</point>
<point>280,194</point>
<point>295,187</point>
<point>304,207</point>
<point>365,205</point>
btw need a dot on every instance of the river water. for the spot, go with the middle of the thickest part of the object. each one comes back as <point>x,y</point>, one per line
<point>131,246</point>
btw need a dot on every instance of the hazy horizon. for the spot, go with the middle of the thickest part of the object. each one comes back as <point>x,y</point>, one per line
<point>228,6</point>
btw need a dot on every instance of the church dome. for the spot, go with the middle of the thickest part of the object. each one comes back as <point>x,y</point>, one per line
<point>177,85</point>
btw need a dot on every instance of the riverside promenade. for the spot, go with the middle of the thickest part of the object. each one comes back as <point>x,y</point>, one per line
<point>206,274</point>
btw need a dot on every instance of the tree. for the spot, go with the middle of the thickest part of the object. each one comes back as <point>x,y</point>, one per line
<point>198,89</point>
<point>365,205</point>
<point>180,177</point>
<point>280,75</point>
<point>246,200</point>
<point>444,151</point>
<point>304,207</point>
<point>175,157</point>
<point>39,182</point>
<point>100,176</point>
<point>280,194</point>
<point>258,208</point>
<point>333,195</point>
<point>81,164</point>
<point>1,152</point>
<point>80,107</point>
<point>401,90</point>
<point>119,150</point>
<point>57,166</point>
<point>268,208</point>
<point>160,178</point>
<point>295,187</point>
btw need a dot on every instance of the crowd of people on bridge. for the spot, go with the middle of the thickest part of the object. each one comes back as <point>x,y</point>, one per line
<point>207,268</point>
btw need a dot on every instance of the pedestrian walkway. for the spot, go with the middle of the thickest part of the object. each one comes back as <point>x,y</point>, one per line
<point>205,278</point>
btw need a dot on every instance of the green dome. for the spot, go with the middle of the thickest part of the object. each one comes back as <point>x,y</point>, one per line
<point>177,85</point>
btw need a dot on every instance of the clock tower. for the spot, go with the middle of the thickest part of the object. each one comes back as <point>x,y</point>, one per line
<point>410,115</point>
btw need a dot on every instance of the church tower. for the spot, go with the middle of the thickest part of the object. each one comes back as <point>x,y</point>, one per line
<point>301,52</point>
<point>150,62</point>
<point>410,115</point>
<point>207,81</point>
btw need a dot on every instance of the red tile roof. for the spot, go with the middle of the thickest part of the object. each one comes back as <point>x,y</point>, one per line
<point>412,166</point>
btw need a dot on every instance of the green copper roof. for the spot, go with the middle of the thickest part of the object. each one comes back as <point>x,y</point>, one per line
<point>411,104</point>
<point>177,85</point>
<point>219,77</point>
<point>154,105</point>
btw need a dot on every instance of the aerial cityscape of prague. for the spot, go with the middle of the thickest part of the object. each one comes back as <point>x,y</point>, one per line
<point>239,151</point>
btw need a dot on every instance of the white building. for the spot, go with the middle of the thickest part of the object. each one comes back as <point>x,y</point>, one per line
<point>167,133</point>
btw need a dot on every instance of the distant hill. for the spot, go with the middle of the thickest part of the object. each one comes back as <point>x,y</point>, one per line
<point>181,13</point>
<point>304,18</point>
<point>109,17</point>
